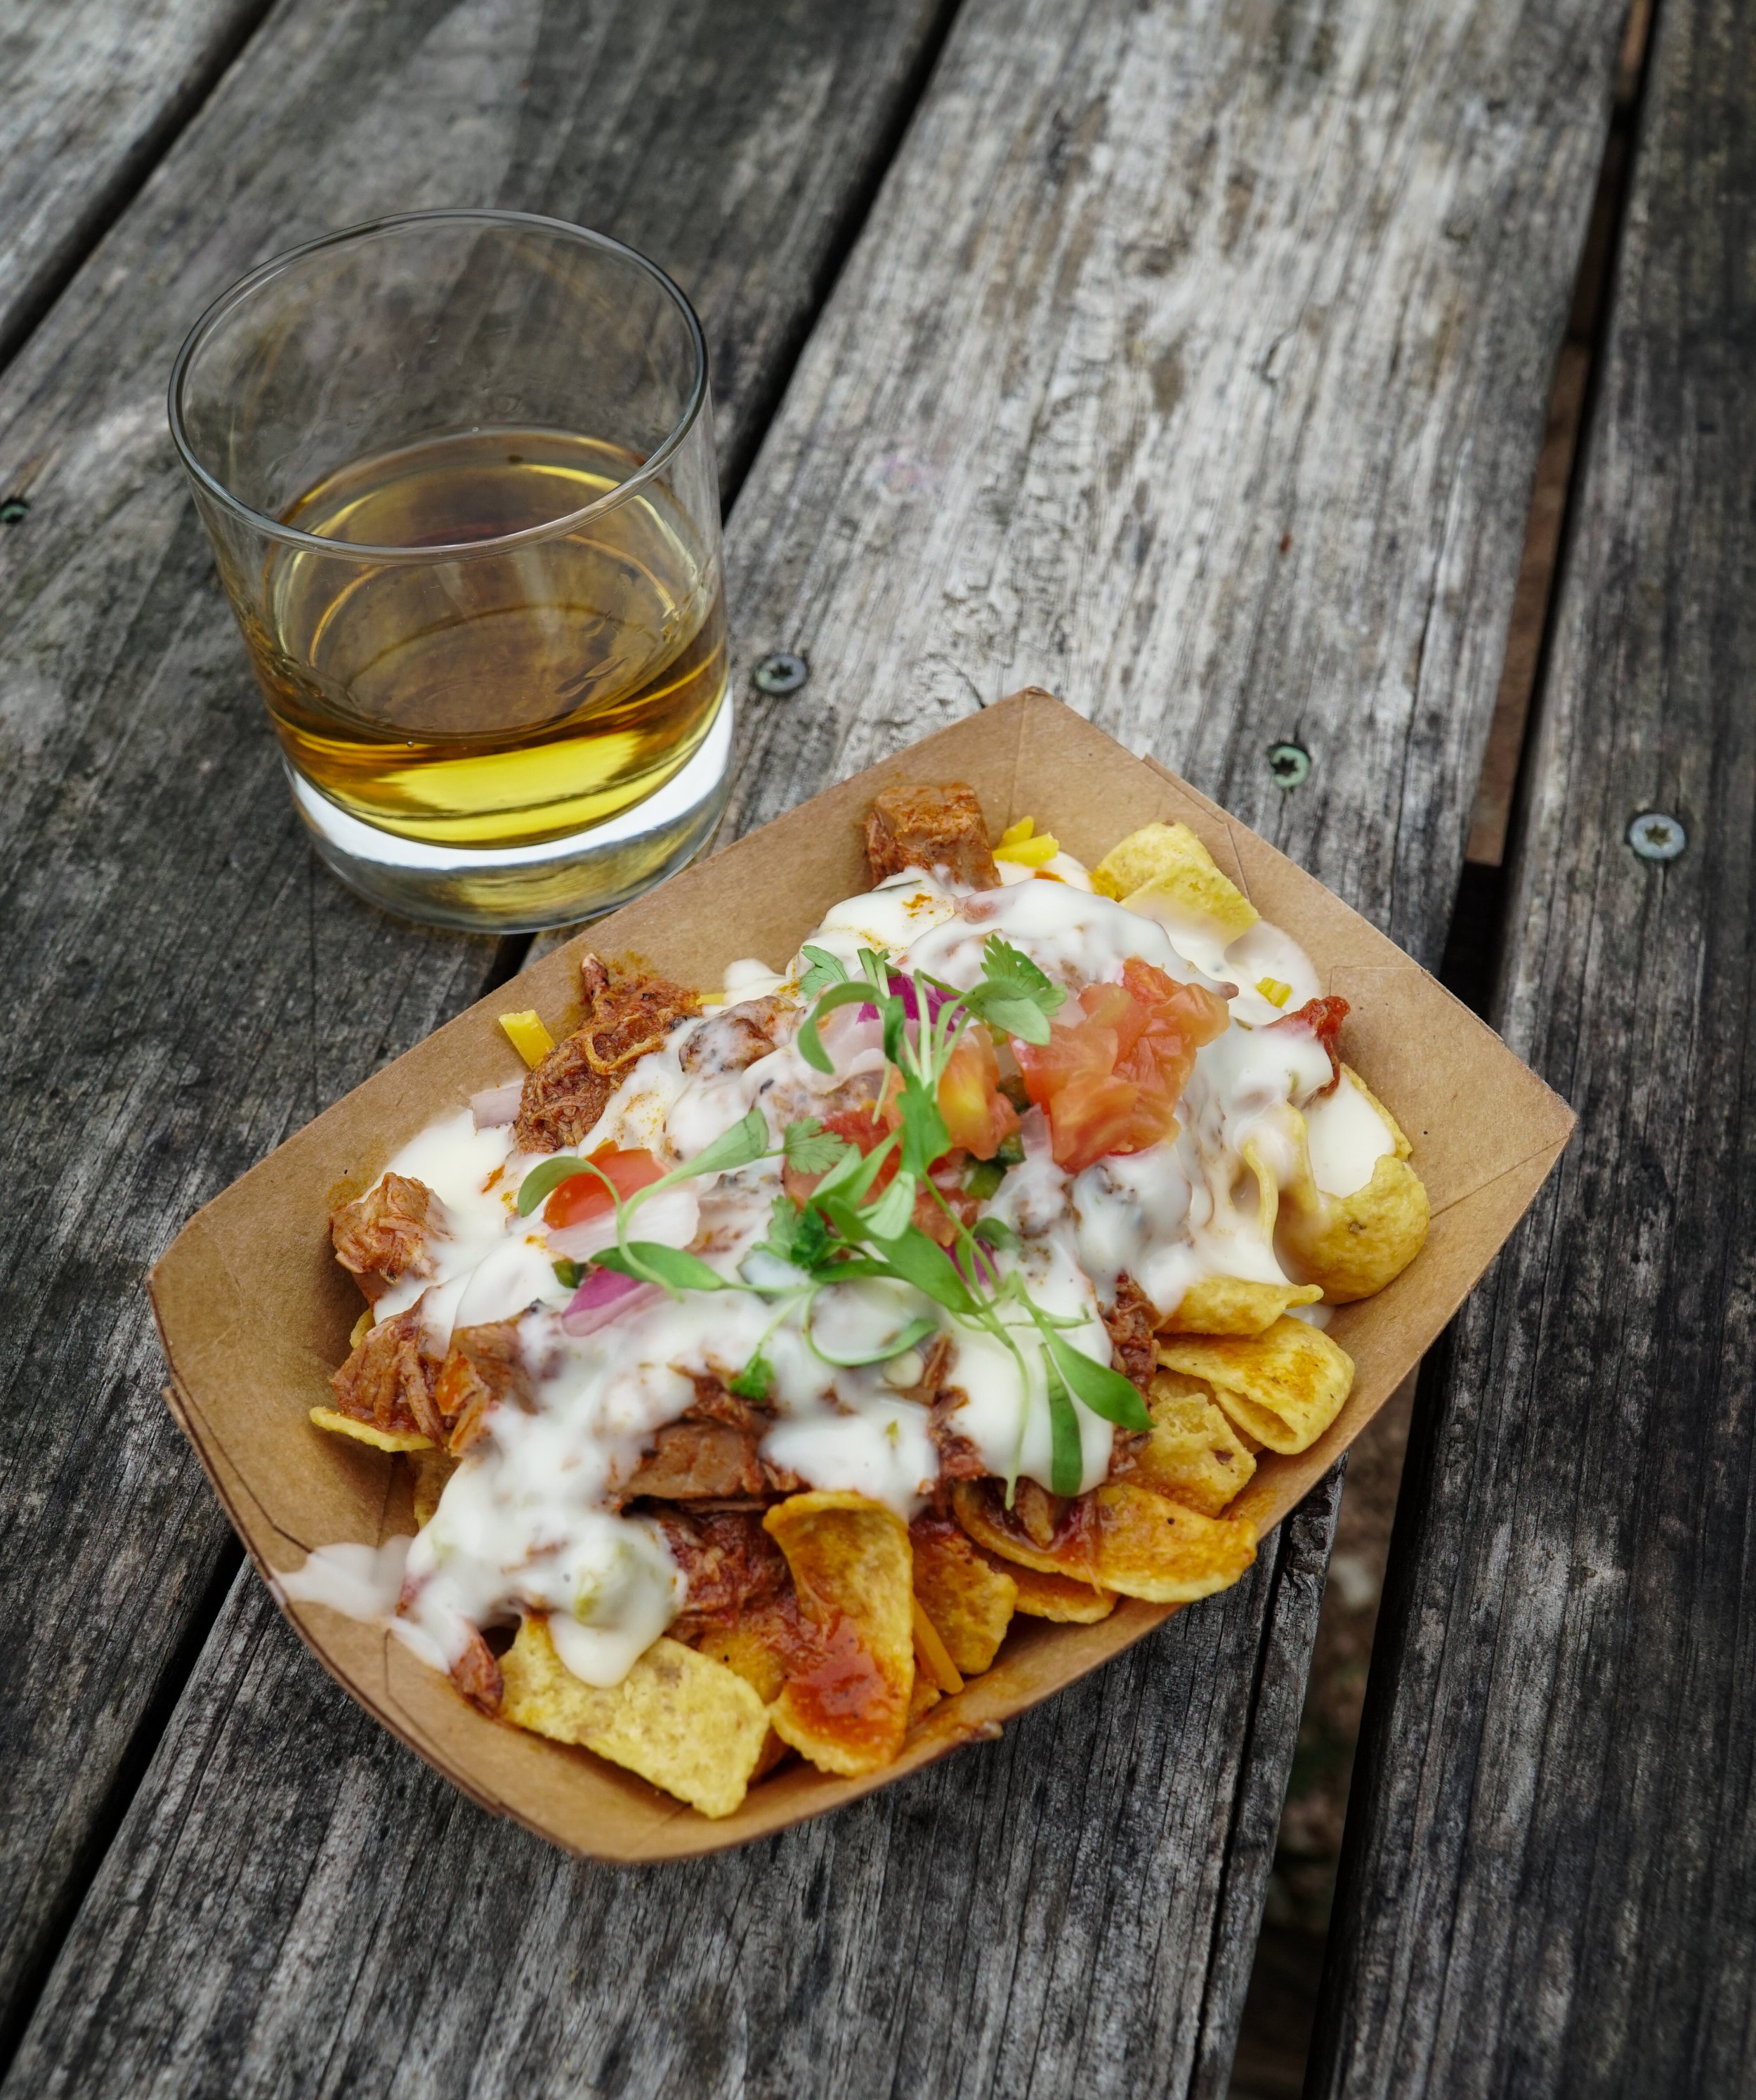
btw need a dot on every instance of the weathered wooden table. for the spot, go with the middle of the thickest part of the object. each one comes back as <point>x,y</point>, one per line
<point>1190,357</point>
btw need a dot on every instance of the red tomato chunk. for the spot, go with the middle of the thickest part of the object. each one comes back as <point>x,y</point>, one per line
<point>1109,1080</point>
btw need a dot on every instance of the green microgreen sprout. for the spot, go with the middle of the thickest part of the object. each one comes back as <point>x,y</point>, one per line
<point>844,1232</point>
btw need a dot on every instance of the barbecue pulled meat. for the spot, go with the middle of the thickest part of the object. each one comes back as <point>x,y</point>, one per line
<point>627,1013</point>
<point>732,1040</point>
<point>732,1564</point>
<point>711,1454</point>
<point>1133,1321</point>
<point>388,1233</point>
<point>931,828</point>
<point>482,1366</point>
<point>388,1382</point>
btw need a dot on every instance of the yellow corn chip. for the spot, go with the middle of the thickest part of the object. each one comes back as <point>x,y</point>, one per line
<point>969,1601</point>
<point>366,1432</point>
<point>1164,872</point>
<point>743,1648</point>
<point>1193,1453</point>
<point>1055,1597</point>
<point>1351,1247</point>
<point>678,1719</point>
<point>433,1468</point>
<point>1232,1305</point>
<point>853,1570</point>
<point>1159,1550</point>
<point>1285,1387</point>
<point>926,1694</point>
<point>1134,1542</point>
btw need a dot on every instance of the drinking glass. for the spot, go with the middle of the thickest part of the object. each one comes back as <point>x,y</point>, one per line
<point>457,469</point>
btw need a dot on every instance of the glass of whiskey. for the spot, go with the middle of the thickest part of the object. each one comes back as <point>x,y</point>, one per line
<point>457,468</point>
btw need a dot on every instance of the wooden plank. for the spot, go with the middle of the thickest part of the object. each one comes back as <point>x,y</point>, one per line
<point>1550,1884</point>
<point>90,95</point>
<point>185,986</point>
<point>858,1956</point>
<point>1151,294</point>
<point>1199,375</point>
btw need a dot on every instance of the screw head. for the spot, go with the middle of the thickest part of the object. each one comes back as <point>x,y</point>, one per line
<point>13,511</point>
<point>1290,764</point>
<point>781,673</point>
<point>1655,835</point>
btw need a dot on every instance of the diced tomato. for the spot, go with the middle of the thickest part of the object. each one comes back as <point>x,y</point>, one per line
<point>977,1114</point>
<point>1323,1018</point>
<point>1109,1081</point>
<point>582,1196</point>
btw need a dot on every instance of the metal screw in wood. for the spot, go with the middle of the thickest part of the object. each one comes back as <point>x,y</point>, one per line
<point>781,673</point>
<point>1655,835</point>
<point>1290,764</point>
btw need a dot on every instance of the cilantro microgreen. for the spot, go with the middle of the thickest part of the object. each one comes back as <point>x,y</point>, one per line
<point>916,1259</point>
<point>1105,1392</point>
<point>824,970</point>
<point>651,1262</point>
<point>894,1208</point>
<point>800,1236</point>
<point>810,1149</point>
<point>755,1382</point>
<point>810,1041</point>
<point>745,1140</point>
<point>1013,994</point>
<point>1067,1459</point>
<point>995,1233</point>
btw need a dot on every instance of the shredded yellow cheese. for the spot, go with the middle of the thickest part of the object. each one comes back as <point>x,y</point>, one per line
<point>1015,835</point>
<point>1276,993</point>
<point>361,1329</point>
<point>525,1032</point>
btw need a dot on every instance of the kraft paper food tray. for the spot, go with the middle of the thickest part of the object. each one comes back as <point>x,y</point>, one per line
<point>254,1313</point>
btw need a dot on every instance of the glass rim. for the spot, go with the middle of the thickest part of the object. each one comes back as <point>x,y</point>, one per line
<point>236,294</point>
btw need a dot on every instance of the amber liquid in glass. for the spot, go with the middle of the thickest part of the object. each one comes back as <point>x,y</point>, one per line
<point>505,698</point>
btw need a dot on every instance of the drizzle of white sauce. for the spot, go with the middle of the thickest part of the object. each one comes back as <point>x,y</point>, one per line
<point>1347,1138</point>
<point>527,1523</point>
<point>360,1582</point>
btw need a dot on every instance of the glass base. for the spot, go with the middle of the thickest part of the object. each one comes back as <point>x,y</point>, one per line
<point>521,889</point>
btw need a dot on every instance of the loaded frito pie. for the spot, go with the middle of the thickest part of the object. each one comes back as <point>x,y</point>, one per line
<point>762,1352</point>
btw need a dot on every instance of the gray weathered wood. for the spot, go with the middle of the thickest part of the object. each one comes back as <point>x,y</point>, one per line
<point>1195,367</point>
<point>1018,1920</point>
<point>1549,1883</point>
<point>183,986</point>
<point>90,92</point>
<point>1149,293</point>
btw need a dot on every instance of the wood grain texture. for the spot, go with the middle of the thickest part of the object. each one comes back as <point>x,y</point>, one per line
<point>1194,366</point>
<point>297,1906</point>
<point>1550,1884</point>
<point>1148,290</point>
<point>185,986</point>
<point>90,92</point>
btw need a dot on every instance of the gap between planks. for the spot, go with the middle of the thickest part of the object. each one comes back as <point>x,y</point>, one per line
<point>511,951</point>
<point>1551,497</point>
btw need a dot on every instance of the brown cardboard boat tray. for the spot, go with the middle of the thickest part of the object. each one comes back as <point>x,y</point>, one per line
<point>254,1313</point>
